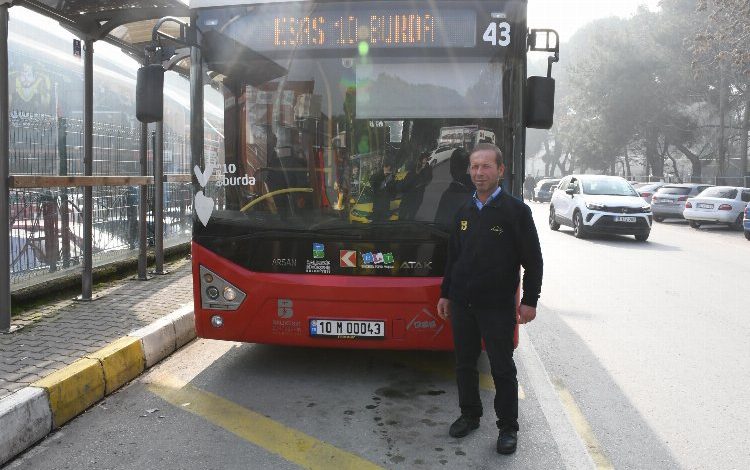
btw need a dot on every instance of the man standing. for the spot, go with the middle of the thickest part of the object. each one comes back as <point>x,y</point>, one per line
<point>492,236</point>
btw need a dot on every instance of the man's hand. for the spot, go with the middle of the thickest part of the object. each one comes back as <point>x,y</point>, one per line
<point>525,313</point>
<point>444,308</point>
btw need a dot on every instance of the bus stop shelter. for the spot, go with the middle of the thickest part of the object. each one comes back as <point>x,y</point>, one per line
<point>127,24</point>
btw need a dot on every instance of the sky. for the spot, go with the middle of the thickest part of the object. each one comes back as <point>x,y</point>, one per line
<point>566,16</point>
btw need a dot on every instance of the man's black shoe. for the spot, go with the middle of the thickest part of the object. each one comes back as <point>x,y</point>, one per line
<point>463,426</point>
<point>506,442</point>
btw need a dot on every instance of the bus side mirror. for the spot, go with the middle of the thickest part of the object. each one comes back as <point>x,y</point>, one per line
<point>149,93</point>
<point>540,100</point>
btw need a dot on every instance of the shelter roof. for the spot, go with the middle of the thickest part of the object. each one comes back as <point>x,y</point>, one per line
<point>125,23</point>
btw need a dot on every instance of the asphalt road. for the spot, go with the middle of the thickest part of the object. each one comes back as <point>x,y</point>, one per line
<point>638,359</point>
<point>651,339</point>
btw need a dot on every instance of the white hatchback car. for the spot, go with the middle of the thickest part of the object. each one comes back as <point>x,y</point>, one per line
<point>600,204</point>
<point>718,204</point>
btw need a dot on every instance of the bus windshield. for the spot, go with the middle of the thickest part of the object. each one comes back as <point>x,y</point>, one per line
<point>352,137</point>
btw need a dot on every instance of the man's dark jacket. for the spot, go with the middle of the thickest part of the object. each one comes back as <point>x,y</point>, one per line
<point>487,249</point>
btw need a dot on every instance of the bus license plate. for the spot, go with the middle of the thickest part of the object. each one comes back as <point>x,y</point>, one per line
<point>625,219</point>
<point>348,328</point>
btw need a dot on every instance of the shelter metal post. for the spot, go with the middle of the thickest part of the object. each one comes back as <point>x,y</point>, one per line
<point>142,194</point>
<point>88,169</point>
<point>196,104</point>
<point>4,173</point>
<point>159,198</point>
<point>62,152</point>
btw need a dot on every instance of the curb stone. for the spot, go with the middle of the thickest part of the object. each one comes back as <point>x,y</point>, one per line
<point>31,413</point>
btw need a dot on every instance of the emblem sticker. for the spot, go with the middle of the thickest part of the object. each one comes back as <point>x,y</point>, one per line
<point>319,251</point>
<point>347,258</point>
<point>285,308</point>
<point>378,260</point>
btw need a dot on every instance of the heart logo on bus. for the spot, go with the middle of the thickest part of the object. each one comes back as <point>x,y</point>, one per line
<point>204,207</point>
<point>203,176</point>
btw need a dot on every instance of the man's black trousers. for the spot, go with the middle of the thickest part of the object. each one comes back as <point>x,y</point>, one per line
<point>496,327</point>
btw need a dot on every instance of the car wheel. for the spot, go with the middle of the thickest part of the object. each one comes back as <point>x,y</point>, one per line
<point>695,224</point>
<point>658,218</point>
<point>747,235</point>
<point>642,237</point>
<point>578,230</point>
<point>737,225</point>
<point>552,220</point>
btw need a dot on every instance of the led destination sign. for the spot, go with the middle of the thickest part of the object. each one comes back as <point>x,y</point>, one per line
<point>414,29</point>
<point>343,26</point>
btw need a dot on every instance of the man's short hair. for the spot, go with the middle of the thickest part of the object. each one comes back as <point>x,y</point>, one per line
<point>487,146</point>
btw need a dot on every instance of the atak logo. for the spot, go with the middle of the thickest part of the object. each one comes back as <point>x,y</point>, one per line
<point>416,265</point>
<point>319,251</point>
<point>464,225</point>
<point>347,258</point>
<point>497,229</point>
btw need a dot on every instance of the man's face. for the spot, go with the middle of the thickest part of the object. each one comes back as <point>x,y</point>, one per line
<point>484,171</point>
<point>387,169</point>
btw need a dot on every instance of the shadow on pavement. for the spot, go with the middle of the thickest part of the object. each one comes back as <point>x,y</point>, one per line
<point>624,435</point>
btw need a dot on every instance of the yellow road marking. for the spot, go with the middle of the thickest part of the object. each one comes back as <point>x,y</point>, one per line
<point>582,427</point>
<point>288,443</point>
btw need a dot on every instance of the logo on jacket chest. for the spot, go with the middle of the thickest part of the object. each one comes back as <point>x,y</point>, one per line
<point>464,225</point>
<point>497,229</point>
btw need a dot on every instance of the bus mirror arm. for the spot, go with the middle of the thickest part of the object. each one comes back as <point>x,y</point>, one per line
<point>149,89</point>
<point>550,45</point>
<point>540,91</point>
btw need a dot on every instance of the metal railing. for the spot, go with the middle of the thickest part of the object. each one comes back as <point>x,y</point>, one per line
<point>46,225</point>
<point>743,181</point>
<point>46,222</point>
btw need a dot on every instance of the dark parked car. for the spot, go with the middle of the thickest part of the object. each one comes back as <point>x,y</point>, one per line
<point>746,222</point>
<point>669,201</point>
<point>544,189</point>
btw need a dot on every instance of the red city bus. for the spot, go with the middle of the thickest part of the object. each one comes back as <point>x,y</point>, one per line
<point>320,224</point>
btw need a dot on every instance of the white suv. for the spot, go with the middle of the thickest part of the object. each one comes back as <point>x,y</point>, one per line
<point>599,204</point>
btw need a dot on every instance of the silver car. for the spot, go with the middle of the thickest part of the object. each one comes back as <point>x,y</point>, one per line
<point>648,190</point>
<point>669,201</point>
<point>720,204</point>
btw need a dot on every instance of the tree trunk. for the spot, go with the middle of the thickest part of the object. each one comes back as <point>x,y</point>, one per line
<point>694,161</point>
<point>721,157</point>
<point>655,159</point>
<point>627,163</point>
<point>547,158</point>
<point>674,165</point>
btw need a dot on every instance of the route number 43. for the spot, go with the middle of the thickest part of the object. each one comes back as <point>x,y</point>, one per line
<point>497,34</point>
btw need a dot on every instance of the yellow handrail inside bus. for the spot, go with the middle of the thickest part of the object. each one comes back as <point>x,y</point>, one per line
<point>275,193</point>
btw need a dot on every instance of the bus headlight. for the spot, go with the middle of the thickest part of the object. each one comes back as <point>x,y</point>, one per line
<point>217,293</point>
<point>230,294</point>
<point>212,292</point>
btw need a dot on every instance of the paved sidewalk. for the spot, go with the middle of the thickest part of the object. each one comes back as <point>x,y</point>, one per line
<point>57,334</point>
